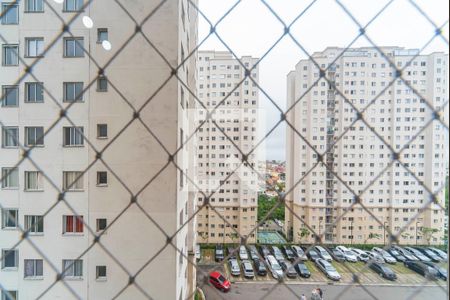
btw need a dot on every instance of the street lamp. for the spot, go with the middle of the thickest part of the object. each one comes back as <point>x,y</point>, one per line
<point>416,231</point>
<point>384,232</point>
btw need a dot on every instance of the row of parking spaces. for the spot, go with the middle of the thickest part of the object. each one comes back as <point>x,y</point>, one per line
<point>347,271</point>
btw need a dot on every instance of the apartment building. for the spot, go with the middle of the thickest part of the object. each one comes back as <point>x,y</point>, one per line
<point>113,173</point>
<point>340,153</point>
<point>232,98</point>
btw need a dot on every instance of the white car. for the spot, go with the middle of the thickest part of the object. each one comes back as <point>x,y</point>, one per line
<point>387,257</point>
<point>360,254</point>
<point>274,267</point>
<point>323,253</point>
<point>248,269</point>
<point>349,255</point>
<point>374,256</point>
<point>243,254</point>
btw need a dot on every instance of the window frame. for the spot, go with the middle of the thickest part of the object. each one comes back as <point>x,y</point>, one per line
<point>35,268</point>
<point>5,96</point>
<point>6,178</point>
<point>39,181</point>
<point>77,225</point>
<point>5,4</point>
<point>6,219</point>
<point>27,47</point>
<point>99,176</point>
<point>99,277</point>
<point>74,183</point>
<point>34,86</point>
<point>76,134</point>
<point>76,97</point>
<point>101,79</point>
<point>99,130</point>
<point>99,33</point>
<point>32,224</point>
<point>77,3</point>
<point>75,265</point>
<point>27,6</point>
<point>77,42</point>
<point>6,135</point>
<point>17,50</point>
<point>16,259</point>
<point>98,224</point>
<point>6,295</point>
<point>39,140</point>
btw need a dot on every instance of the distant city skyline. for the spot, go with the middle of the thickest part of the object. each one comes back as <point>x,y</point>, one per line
<point>262,30</point>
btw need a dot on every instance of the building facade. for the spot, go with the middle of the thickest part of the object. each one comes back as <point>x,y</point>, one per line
<point>345,155</point>
<point>129,195</point>
<point>224,89</point>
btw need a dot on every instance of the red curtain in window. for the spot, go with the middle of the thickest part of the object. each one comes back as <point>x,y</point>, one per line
<point>79,224</point>
<point>69,223</point>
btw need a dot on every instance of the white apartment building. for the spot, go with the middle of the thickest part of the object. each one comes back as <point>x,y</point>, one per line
<point>222,84</point>
<point>355,155</point>
<point>115,197</point>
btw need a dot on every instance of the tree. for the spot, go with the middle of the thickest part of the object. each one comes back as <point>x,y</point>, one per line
<point>233,236</point>
<point>373,236</point>
<point>304,232</point>
<point>405,235</point>
<point>428,233</point>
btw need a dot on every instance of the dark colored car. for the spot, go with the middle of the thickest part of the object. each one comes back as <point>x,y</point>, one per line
<point>336,254</point>
<point>260,267</point>
<point>232,252</point>
<point>442,273</point>
<point>264,250</point>
<point>253,252</point>
<point>383,270</point>
<point>289,253</point>
<point>219,281</point>
<point>312,254</point>
<point>397,254</point>
<point>427,252</point>
<point>302,270</point>
<point>405,253</point>
<point>219,253</point>
<point>422,269</point>
<point>288,269</point>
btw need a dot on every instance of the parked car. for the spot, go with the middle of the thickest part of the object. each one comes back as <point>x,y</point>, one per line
<point>218,253</point>
<point>442,273</point>
<point>337,254</point>
<point>219,281</point>
<point>288,269</point>
<point>405,253</point>
<point>312,254</point>
<point>386,256</point>
<point>418,254</point>
<point>299,252</point>
<point>260,267</point>
<point>360,254</point>
<point>439,252</point>
<point>383,270</point>
<point>430,254</point>
<point>323,253</point>
<point>248,269</point>
<point>396,254</point>
<point>234,267</point>
<point>274,267</point>
<point>264,250</point>
<point>253,252</point>
<point>289,253</point>
<point>276,252</point>
<point>349,255</point>
<point>243,255</point>
<point>328,269</point>
<point>422,269</point>
<point>302,270</point>
<point>373,256</point>
<point>232,252</point>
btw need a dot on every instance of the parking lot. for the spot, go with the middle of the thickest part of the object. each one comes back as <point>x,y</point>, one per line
<point>347,270</point>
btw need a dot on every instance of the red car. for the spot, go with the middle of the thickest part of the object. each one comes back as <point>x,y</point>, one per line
<point>219,281</point>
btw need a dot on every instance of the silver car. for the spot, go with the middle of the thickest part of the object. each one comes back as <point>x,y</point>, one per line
<point>328,269</point>
<point>349,255</point>
<point>234,267</point>
<point>387,257</point>
<point>248,269</point>
<point>323,253</point>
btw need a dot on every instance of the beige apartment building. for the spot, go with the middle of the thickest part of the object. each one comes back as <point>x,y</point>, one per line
<point>232,210</point>
<point>355,155</point>
<point>116,196</point>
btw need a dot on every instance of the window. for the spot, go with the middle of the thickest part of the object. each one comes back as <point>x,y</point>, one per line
<point>9,295</point>
<point>102,84</point>
<point>34,47</point>
<point>34,6</point>
<point>102,178</point>
<point>10,178</point>
<point>34,92</point>
<point>34,224</point>
<point>33,181</point>
<point>10,137</point>
<point>101,224</point>
<point>102,131</point>
<point>73,5</point>
<point>73,91</point>
<point>73,136</point>
<point>10,258</point>
<point>100,272</point>
<point>10,13</point>
<point>73,47</point>
<point>10,55</point>
<point>102,35</point>
<point>73,181</point>
<point>72,224</point>
<point>34,136</point>
<point>10,218</point>
<point>33,268</point>
<point>72,268</point>
<point>10,96</point>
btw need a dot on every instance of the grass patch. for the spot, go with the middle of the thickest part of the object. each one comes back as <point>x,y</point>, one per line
<point>401,269</point>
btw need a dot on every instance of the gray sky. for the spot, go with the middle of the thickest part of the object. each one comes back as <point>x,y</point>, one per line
<point>251,29</point>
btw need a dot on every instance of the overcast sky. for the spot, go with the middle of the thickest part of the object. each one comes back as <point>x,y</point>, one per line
<point>251,29</point>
